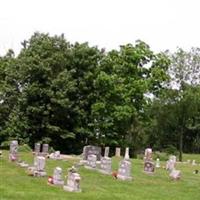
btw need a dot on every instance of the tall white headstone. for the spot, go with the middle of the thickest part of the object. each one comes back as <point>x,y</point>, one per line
<point>127,157</point>
<point>118,152</point>
<point>106,153</point>
<point>13,155</point>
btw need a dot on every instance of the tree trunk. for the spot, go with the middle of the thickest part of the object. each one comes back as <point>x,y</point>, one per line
<point>181,145</point>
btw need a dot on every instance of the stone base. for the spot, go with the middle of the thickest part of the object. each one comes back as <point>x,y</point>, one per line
<point>82,162</point>
<point>70,189</point>
<point>24,165</point>
<point>58,182</point>
<point>39,173</point>
<point>88,167</point>
<point>124,178</point>
<point>104,172</point>
<point>149,173</point>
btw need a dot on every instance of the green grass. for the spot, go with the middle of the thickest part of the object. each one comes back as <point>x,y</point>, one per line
<point>15,184</point>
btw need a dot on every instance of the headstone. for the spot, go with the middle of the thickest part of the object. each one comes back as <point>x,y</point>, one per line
<point>106,165</point>
<point>149,166</point>
<point>106,153</point>
<point>170,165</point>
<point>91,150</point>
<point>126,157</point>
<point>118,152</point>
<point>13,155</point>
<point>173,158</point>
<point>73,182</point>
<point>56,155</point>
<point>157,163</point>
<point>148,154</point>
<point>22,164</point>
<point>175,174</point>
<point>57,176</point>
<point>1,154</point>
<point>45,149</point>
<point>31,169</point>
<point>194,163</point>
<point>91,162</point>
<point>40,166</point>
<point>37,148</point>
<point>124,171</point>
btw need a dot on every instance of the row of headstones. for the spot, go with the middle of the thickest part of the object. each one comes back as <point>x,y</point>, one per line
<point>45,149</point>
<point>38,168</point>
<point>92,155</point>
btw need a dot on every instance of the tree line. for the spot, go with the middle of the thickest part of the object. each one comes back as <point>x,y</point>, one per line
<point>70,95</point>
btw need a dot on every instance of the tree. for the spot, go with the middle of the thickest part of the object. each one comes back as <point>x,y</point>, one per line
<point>124,78</point>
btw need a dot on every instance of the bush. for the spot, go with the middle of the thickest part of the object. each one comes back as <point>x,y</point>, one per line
<point>5,145</point>
<point>24,148</point>
<point>171,150</point>
<point>161,155</point>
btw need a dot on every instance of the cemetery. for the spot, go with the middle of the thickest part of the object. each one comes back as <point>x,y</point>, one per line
<point>46,178</point>
<point>84,121</point>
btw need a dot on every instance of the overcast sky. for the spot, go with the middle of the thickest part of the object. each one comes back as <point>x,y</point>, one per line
<point>163,24</point>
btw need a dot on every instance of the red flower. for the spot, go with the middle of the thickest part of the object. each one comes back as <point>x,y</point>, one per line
<point>50,180</point>
<point>114,174</point>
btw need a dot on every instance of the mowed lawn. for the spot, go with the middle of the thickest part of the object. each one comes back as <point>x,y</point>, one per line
<point>15,184</point>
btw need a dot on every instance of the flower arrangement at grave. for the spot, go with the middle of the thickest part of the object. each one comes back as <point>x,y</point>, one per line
<point>50,180</point>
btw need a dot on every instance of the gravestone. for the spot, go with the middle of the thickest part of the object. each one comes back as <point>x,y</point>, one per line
<point>148,154</point>
<point>149,166</point>
<point>106,165</point>
<point>170,165</point>
<point>32,169</point>
<point>73,181</point>
<point>37,148</point>
<point>45,149</point>
<point>106,152</point>
<point>56,155</point>
<point>57,176</point>
<point>22,163</point>
<point>126,157</point>
<point>124,171</point>
<point>1,154</point>
<point>13,155</point>
<point>40,166</point>
<point>91,162</point>
<point>91,150</point>
<point>173,158</point>
<point>175,174</point>
<point>157,163</point>
<point>194,162</point>
<point>118,152</point>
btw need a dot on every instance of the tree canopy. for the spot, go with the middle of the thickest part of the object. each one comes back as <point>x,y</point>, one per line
<point>70,95</point>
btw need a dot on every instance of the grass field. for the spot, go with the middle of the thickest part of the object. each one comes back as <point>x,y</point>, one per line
<point>16,185</point>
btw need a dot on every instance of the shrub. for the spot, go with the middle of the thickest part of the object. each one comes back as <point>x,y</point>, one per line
<point>5,145</point>
<point>171,150</point>
<point>24,148</point>
<point>161,155</point>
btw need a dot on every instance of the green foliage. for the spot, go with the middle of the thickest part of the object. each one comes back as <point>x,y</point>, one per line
<point>163,156</point>
<point>70,95</point>
<point>171,150</point>
<point>5,145</point>
<point>24,148</point>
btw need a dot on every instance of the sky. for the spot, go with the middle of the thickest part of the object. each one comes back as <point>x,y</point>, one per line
<point>162,24</point>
